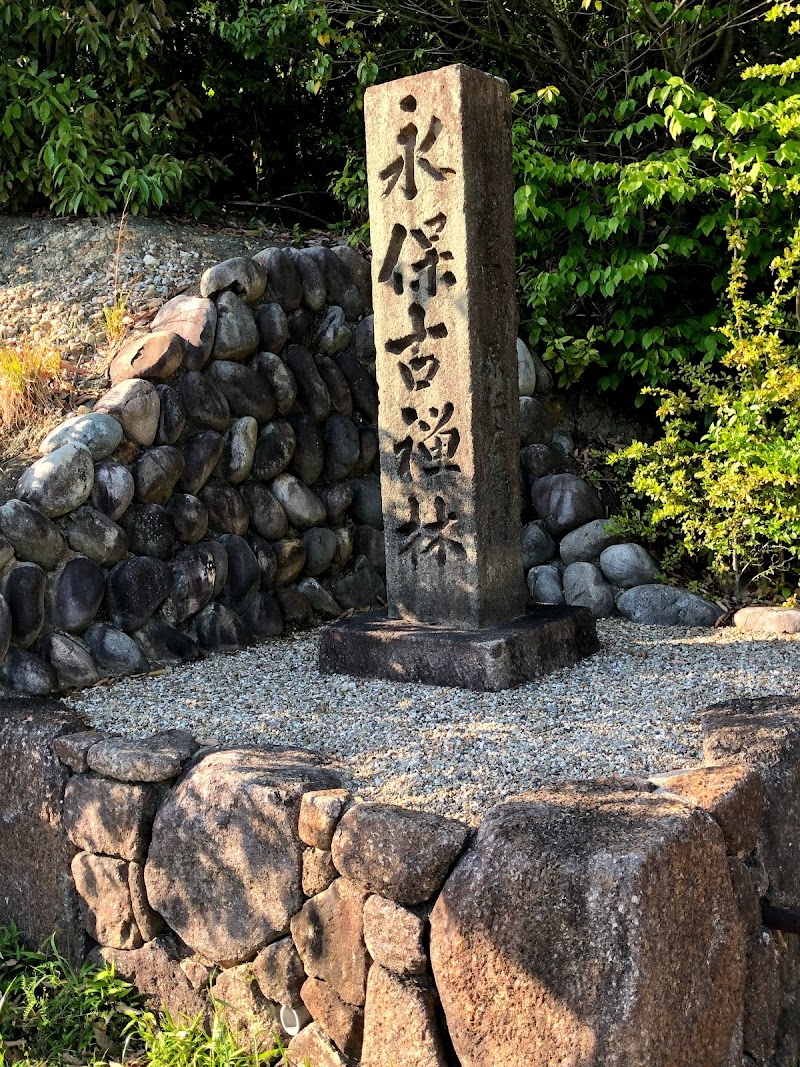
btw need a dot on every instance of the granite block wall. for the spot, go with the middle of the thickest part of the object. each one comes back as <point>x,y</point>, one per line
<point>595,922</point>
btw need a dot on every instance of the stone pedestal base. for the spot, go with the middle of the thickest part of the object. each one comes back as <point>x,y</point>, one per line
<point>372,646</point>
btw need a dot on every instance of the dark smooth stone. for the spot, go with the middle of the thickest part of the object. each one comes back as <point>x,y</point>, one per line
<point>312,393</point>
<point>23,589</point>
<point>227,511</point>
<point>115,652</point>
<point>244,573</point>
<point>363,387</point>
<point>263,617</point>
<point>218,629</point>
<point>75,595</point>
<point>267,516</point>
<point>150,529</point>
<point>172,417</point>
<point>93,534</point>
<point>190,516</point>
<point>276,444</point>
<point>336,384</point>
<point>135,589</point>
<point>342,447</point>
<point>246,391</point>
<point>206,406</point>
<point>202,452</point>
<point>308,457</point>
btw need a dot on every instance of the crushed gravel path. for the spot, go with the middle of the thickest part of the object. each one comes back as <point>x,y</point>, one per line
<point>630,709</point>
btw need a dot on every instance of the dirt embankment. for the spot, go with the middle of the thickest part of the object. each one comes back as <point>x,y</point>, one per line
<point>58,274</point>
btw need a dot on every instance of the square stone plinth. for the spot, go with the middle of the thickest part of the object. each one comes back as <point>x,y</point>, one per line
<point>498,657</point>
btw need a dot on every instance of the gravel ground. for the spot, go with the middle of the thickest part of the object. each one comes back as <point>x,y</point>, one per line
<point>631,709</point>
<point>57,274</point>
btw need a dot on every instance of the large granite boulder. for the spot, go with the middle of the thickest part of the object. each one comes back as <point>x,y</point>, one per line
<point>115,652</point>
<point>237,333</point>
<point>664,605</point>
<point>225,862</point>
<point>401,854</point>
<point>585,587</point>
<point>156,473</point>
<point>69,658</point>
<point>537,545</point>
<point>591,924</point>
<point>764,734</point>
<point>36,890</point>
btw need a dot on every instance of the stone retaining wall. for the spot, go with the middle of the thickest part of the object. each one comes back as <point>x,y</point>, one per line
<point>608,923</point>
<point>227,487</point>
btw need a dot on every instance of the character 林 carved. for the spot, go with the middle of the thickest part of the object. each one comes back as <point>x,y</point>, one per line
<point>430,538</point>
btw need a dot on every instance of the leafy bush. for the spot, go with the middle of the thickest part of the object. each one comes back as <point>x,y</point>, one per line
<point>622,264</point>
<point>50,1013</point>
<point>726,472</point>
<point>87,121</point>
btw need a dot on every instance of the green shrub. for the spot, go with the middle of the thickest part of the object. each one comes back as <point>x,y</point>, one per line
<point>87,120</point>
<point>622,264</point>
<point>50,1013</point>
<point>726,472</point>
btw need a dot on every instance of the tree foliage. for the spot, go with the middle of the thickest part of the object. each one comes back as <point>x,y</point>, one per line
<point>628,114</point>
<point>87,121</point>
<point>726,471</point>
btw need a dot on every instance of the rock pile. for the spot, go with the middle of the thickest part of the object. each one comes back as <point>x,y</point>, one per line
<point>227,486</point>
<point>572,553</point>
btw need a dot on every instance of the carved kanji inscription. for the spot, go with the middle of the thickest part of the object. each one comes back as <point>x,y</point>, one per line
<point>441,198</point>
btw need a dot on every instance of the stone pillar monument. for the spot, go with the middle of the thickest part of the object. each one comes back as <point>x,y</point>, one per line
<point>442,224</point>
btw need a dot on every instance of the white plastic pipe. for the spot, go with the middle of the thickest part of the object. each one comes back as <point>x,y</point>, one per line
<point>293,1020</point>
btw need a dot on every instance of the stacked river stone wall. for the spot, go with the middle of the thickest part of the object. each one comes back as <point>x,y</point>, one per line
<point>613,923</point>
<point>226,487</point>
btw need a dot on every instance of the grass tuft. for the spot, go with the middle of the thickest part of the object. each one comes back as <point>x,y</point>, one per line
<point>115,318</point>
<point>52,1014</point>
<point>30,375</point>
